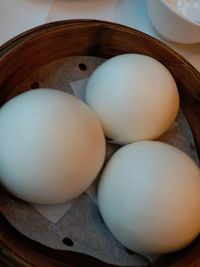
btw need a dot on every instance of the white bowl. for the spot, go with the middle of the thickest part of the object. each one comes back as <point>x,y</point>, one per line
<point>171,25</point>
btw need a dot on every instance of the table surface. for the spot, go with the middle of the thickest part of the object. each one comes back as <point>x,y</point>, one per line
<point>17,16</point>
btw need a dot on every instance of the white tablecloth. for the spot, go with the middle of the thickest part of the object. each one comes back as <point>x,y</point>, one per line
<point>17,16</point>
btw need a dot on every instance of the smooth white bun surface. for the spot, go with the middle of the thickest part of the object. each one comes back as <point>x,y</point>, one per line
<point>149,197</point>
<point>134,96</point>
<point>52,146</point>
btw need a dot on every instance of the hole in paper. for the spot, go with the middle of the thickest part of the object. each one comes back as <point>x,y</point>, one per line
<point>82,67</point>
<point>68,242</point>
<point>130,252</point>
<point>35,85</point>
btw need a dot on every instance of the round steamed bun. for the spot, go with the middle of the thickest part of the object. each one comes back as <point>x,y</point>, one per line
<point>52,146</point>
<point>149,197</point>
<point>134,96</point>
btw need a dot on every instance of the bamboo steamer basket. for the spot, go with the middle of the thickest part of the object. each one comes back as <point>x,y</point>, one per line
<point>42,45</point>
